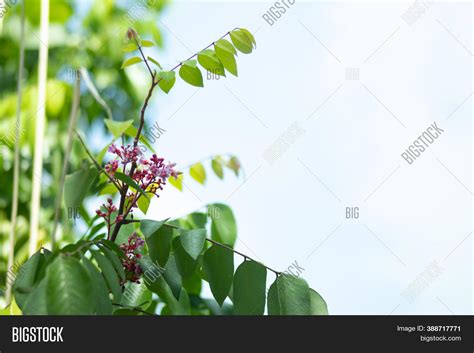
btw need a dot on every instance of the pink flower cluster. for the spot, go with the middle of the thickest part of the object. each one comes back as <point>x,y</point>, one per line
<point>133,270</point>
<point>154,171</point>
<point>112,167</point>
<point>126,154</point>
<point>109,208</point>
<point>149,174</point>
<point>147,171</point>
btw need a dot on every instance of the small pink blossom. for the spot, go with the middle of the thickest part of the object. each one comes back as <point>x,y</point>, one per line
<point>113,149</point>
<point>132,249</point>
<point>112,167</point>
<point>109,208</point>
<point>153,172</point>
<point>150,174</point>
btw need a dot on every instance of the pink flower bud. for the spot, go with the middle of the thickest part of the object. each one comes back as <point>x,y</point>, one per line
<point>131,33</point>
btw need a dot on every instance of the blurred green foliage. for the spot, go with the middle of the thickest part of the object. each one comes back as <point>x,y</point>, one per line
<point>86,34</point>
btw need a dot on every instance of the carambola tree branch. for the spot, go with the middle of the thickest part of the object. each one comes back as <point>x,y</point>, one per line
<point>132,34</point>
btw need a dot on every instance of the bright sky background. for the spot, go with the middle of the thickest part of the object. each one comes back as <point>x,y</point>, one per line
<point>415,220</point>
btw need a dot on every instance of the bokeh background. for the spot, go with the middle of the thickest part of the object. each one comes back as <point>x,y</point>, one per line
<point>319,117</point>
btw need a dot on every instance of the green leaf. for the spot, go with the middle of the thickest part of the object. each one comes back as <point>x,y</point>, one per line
<point>318,305</point>
<point>289,295</point>
<point>155,62</point>
<point>35,304</point>
<point>219,268</point>
<point>193,241</point>
<point>234,164</point>
<point>249,289</point>
<point>215,309</point>
<point>197,220</point>
<point>172,276</point>
<point>193,284</point>
<point>177,182</point>
<point>186,264</point>
<point>124,233</point>
<point>108,189</point>
<point>167,75</point>
<point>49,257</point>
<point>129,47</point>
<point>102,302</point>
<point>114,247</point>
<point>103,151</point>
<point>250,35</point>
<point>191,74</point>
<point>96,229</point>
<point>225,52</point>
<point>130,182</point>
<point>160,287</point>
<point>225,45</point>
<point>158,239</point>
<point>167,80</point>
<point>68,288</point>
<point>223,226</point>
<point>184,302</point>
<point>26,277</point>
<point>209,60</point>
<point>115,261</point>
<point>217,167</point>
<point>131,61</point>
<point>143,203</point>
<point>136,295</point>
<point>72,248</point>
<point>77,186</point>
<point>150,227</point>
<point>198,173</point>
<point>152,272</point>
<point>109,274</point>
<point>241,41</point>
<point>147,43</point>
<point>228,61</point>
<point>117,128</point>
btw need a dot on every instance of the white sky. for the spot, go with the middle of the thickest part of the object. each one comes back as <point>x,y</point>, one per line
<point>350,151</point>
<point>410,250</point>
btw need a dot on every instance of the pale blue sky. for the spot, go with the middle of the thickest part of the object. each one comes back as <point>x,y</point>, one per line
<point>411,216</point>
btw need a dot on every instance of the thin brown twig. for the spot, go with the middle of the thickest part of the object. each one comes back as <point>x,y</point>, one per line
<point>123,192</point>
<point>144,58</point>
<point>98,166</point>
<point>154,83</point>
<point>246,257</point>
<point>134,309</point>
<point>192,56</point>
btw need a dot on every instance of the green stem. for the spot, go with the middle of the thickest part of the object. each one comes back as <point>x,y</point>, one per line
<point>67,153</point>
<point>40,124</point>
<point>16,163</point>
